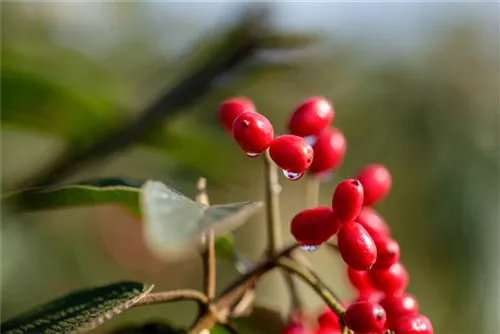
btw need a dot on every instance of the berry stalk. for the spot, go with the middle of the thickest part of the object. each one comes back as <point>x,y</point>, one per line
<point>313,184</point>
<point>273,223</point>
<point>208,255</point>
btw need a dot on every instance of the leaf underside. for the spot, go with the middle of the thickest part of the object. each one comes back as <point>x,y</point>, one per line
<point>78,312</point>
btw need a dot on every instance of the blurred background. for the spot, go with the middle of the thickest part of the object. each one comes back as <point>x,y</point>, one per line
<point>414,84</point>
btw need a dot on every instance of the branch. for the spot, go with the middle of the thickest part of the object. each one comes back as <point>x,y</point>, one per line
<point>314,282</point>
<point>232,294</point>
<point>273,223</point>
<point>313,184</point>
<point>242,42</point>
<point>208,255</point>
<point>172,296</point>
<point>273,190</point>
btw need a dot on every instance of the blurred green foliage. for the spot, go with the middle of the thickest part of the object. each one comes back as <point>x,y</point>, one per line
<point>430,116</point>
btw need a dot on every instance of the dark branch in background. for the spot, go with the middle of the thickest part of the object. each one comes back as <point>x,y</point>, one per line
<point>241,44</point>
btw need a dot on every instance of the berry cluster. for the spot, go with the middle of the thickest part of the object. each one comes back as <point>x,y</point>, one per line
<point>364,239</point>
<point>311,145</point>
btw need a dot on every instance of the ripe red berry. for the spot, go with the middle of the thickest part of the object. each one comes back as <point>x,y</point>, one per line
<point>347,200</point>
<point>370,295</point>
<point>365,317</point>
<point>311,116</point>
<point>398,306</point>
<point>376,181</point>
<point>413,324</point>
<point>329,150</point>
<point>293,154</point>
<point>312,227</point>
<point>328,319</point>
<point>231,108</point>
<point>326,330</point>
<point>388,252</point>
<point>356,246</point>
<point>296,328</point>
<point>359,279</point>
<point>392,280</point>
<point>373,222</point>
<point>253,132</point>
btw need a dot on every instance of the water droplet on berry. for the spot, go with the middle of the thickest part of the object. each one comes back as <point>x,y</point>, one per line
<point>292,176</point>
<point>252,154</point>
<point>309,248</point>
<point>311,139</point>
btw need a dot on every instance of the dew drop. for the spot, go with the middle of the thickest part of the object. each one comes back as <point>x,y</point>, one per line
<point>292,176</point>
<point>311,139</point>
<point>309,248</point>
<point>252,154</point>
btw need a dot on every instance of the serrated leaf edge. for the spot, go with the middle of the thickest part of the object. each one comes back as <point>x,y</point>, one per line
<point>94,323</point>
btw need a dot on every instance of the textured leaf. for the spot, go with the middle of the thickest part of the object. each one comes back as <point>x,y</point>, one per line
<point>95,192</point>
<point>78,312</point>
<point>174,222</point>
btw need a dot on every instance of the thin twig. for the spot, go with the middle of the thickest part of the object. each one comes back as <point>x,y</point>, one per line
<point>314,282</point>
<point>233,293</point>
<point>273,223</point>
<point>313,186</point>
<point>208,254</point>
<point>273,190</point>
<point>172,296</point>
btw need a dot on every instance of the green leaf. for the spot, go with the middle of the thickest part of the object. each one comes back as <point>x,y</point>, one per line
<point>174,223</point>
<point>80,311</point>
<point>94,192</point>
<point>224,247</point>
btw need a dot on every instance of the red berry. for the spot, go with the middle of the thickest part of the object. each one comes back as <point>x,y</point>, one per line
<point>231,108</point>
<point>392,280</point>
<point>359,279</point>
<point>388,252</point>
<point>328,319</point>
<point>376,181</point>
<point>365,317</point>
<point>291,153</point>
<point>413,324</point>
<point>253,132</point>
<point>311,117</point>
<point>326,330</point>
<point>373,222</point>
<point>370,295</point>
<point>347,200</point>
<point>398,306</point>
<point>312,227</point>
<point>329,150</point>
<point>296,328</point>
<point>356,246</point>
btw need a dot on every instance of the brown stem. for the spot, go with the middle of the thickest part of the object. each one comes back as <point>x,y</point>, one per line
<point>233,293</point>
<point>314,282</point>
<point>313,184</point>
<point>273,189</point>
<point>208,255</point>
<point>273,223</point>
<point>173,296</point>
